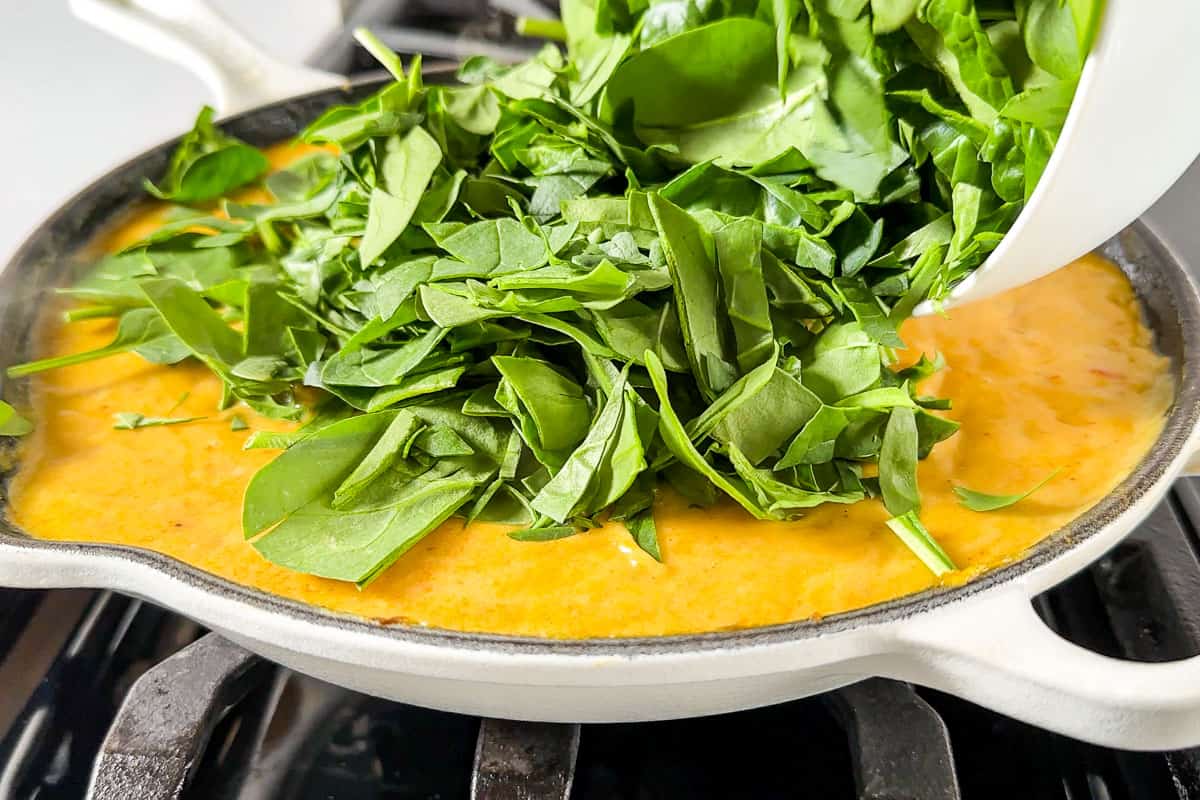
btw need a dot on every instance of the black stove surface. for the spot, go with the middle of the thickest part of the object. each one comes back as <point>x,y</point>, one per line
<point>111,693</point>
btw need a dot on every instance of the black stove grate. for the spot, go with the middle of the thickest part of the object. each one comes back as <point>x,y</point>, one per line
<point>108,692</point>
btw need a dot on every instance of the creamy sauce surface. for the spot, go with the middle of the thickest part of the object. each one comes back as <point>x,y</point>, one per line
<point>1060,374</point>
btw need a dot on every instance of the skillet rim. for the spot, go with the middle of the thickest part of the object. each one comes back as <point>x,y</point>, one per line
<point>1181,424</point>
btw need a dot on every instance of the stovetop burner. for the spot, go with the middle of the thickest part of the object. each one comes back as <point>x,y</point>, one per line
<point>113,693</point>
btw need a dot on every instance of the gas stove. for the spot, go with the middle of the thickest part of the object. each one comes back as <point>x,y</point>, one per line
<point>112,698</point>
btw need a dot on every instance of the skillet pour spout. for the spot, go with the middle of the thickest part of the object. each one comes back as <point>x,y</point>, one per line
<point>981,641</point>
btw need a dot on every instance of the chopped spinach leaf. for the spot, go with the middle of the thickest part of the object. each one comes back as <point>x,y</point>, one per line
<point>645,534</point>
<point>208,164</point>
<point>908,529</point>
<point>683,252</point>
<point>131,420</point>
<point>979,501</point>
<point>549,533</point>
<point>12,423</point>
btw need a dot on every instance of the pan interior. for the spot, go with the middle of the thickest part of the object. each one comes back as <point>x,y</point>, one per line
<point>49,259</point>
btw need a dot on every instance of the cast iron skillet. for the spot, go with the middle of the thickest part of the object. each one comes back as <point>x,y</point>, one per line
<point>981,641</point>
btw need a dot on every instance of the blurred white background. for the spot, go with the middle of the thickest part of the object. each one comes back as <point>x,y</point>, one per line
<point>76,102</point>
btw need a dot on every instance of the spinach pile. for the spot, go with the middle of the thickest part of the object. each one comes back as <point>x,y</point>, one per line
<point>679,254</point>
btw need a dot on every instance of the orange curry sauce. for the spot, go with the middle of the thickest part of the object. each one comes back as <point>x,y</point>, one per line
<point>1058,374</point>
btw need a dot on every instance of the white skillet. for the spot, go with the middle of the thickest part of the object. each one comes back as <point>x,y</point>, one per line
<point>982,642</point>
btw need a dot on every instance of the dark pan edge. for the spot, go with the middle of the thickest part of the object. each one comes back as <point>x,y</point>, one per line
<point>1167,292</point>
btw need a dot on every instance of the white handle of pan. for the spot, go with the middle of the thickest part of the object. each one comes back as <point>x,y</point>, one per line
<point>1000,654</point>
<point>192,34</point>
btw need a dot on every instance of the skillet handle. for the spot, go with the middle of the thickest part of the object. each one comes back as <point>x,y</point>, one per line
<point>190,33</point>
<point>998,653</point>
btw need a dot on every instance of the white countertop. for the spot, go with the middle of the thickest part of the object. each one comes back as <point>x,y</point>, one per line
<point>78,102</point>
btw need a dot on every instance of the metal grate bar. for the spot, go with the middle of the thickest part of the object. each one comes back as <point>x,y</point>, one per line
<point>899,744</point>
<point>54,737</point>
<point>161,729</point>
<point>237,761</point>
<point>524,761</point>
